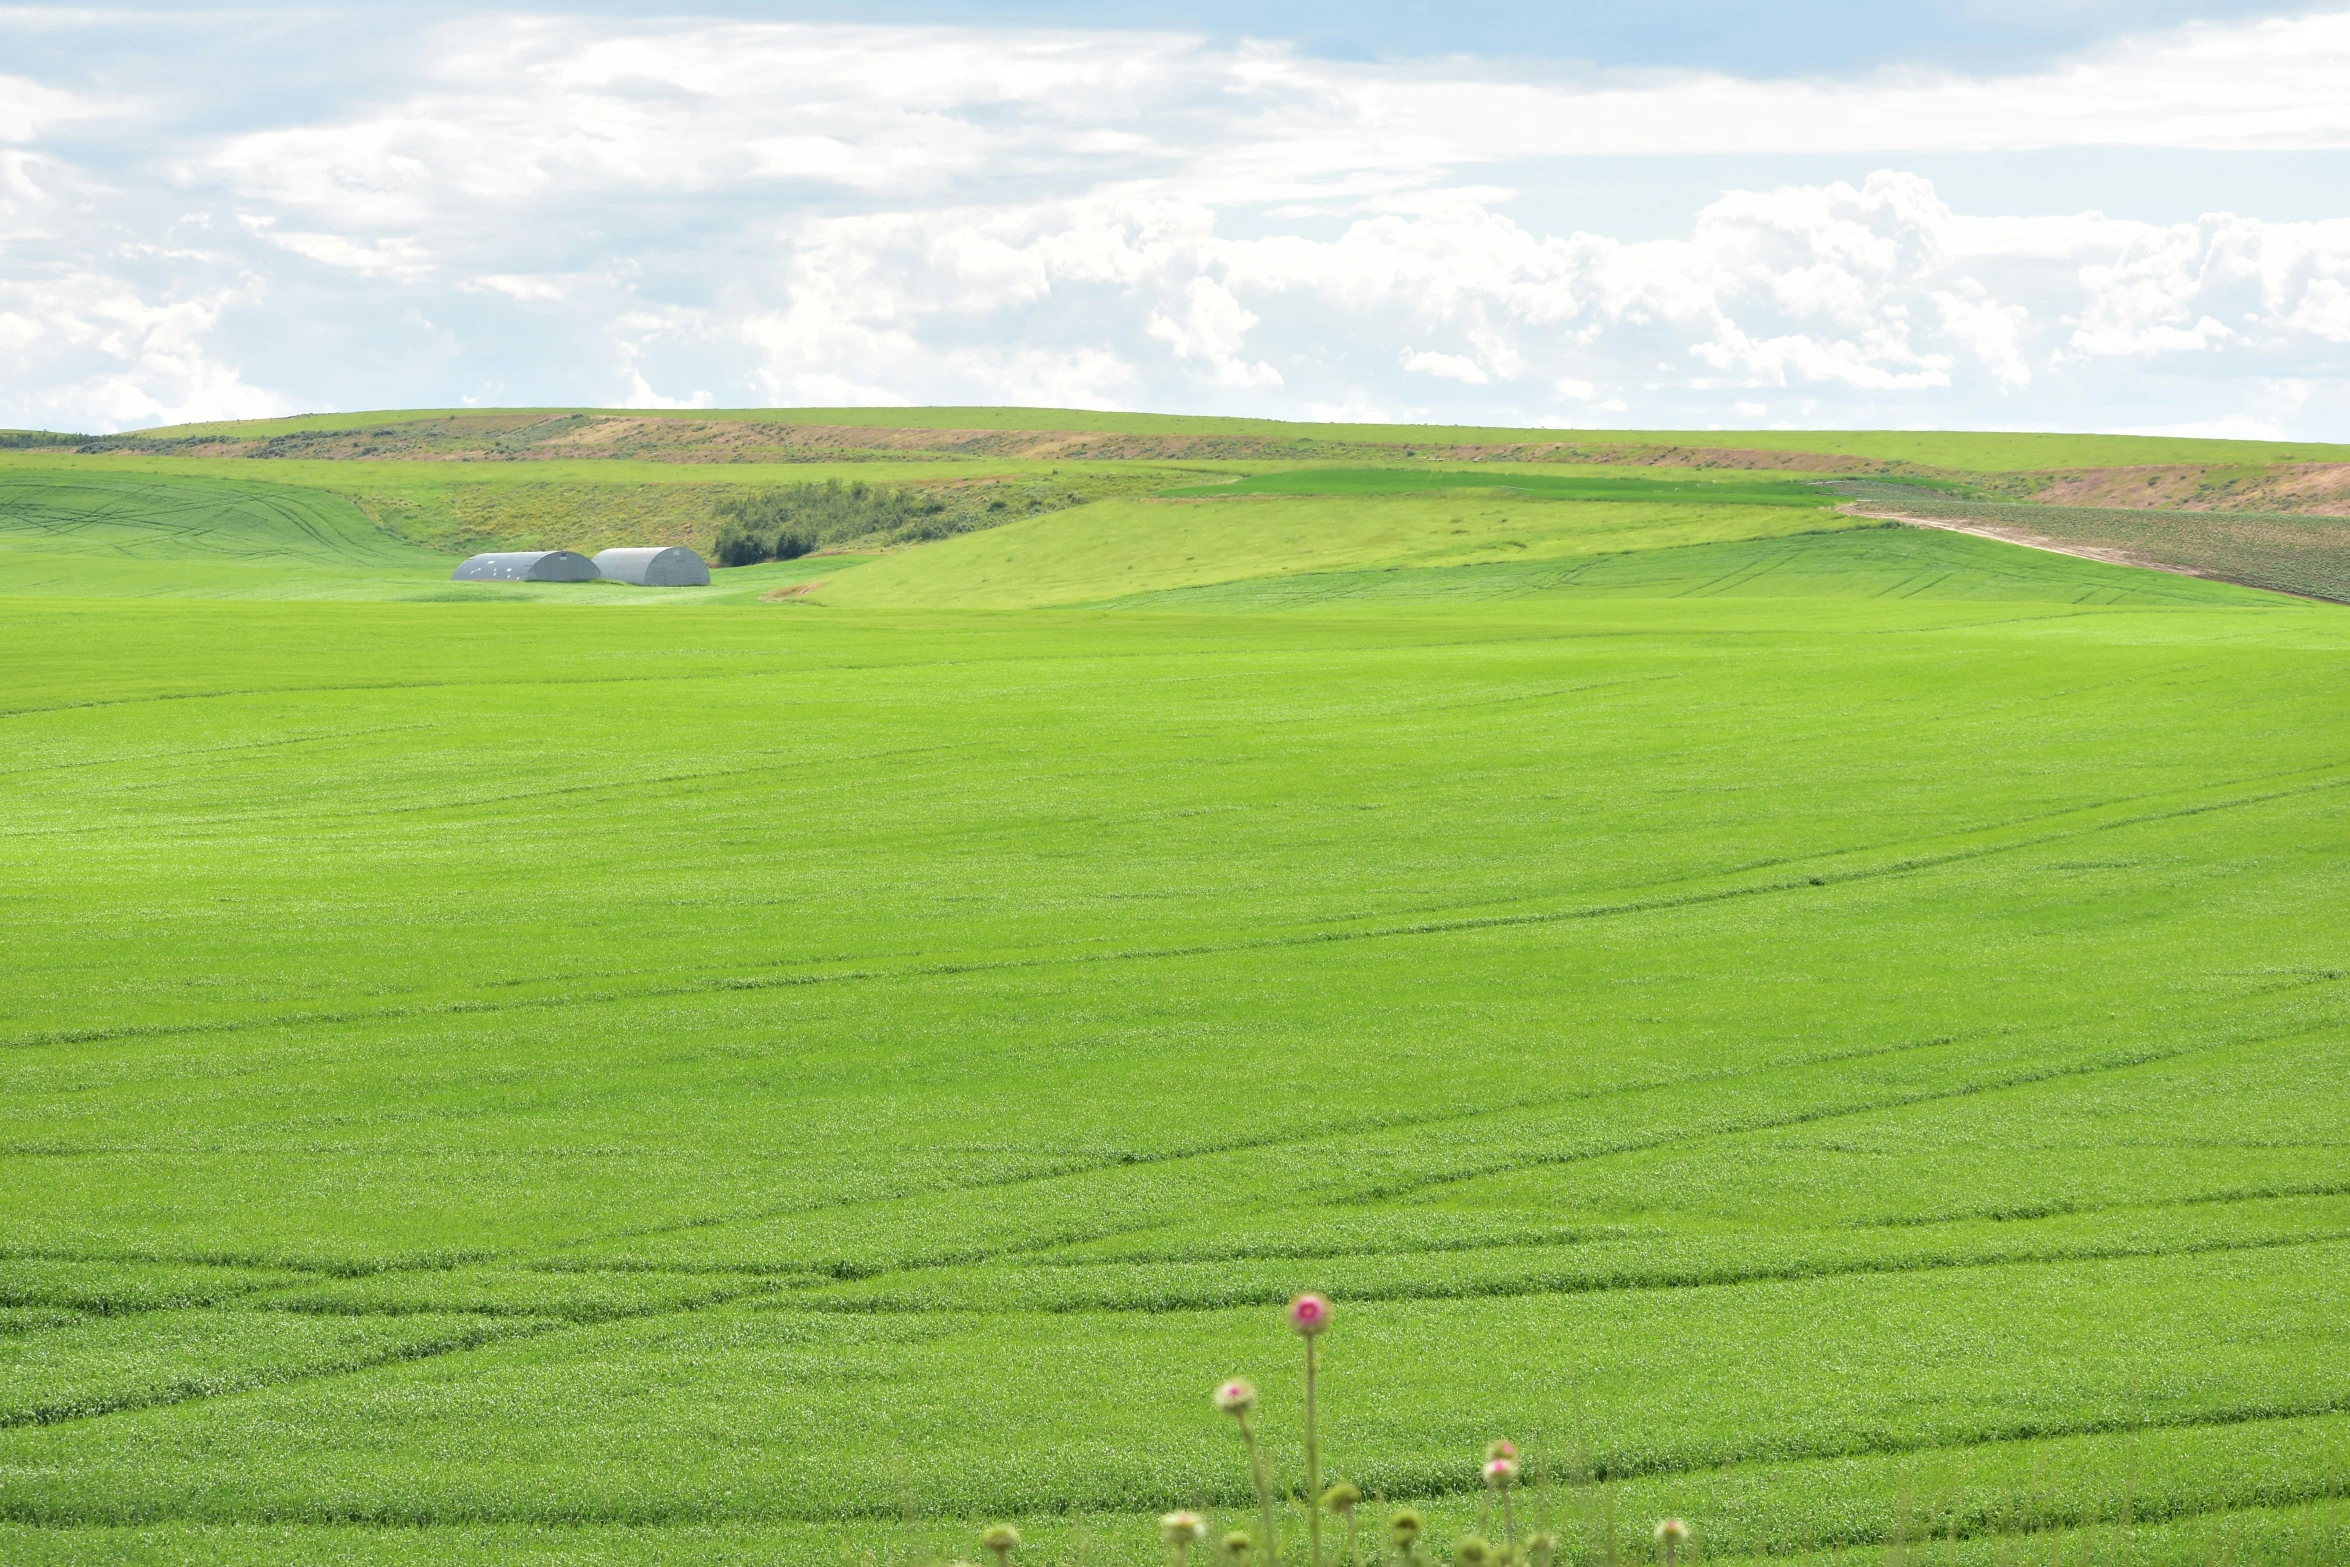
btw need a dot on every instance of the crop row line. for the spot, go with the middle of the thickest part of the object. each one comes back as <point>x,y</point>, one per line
<point>492,1327</point>
<point>191,1390</point>
<point>1292,940</point>
<point>1368,1196</point>
<point>1397,1482</point>
<point>1276,1292</point>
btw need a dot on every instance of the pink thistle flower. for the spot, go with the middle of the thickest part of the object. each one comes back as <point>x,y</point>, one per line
<point>1309,1314</point>
<point>1237,1397</point>
<point>1501,1473</point>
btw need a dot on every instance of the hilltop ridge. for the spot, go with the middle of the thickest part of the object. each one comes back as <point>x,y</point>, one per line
<point>1036,434</point>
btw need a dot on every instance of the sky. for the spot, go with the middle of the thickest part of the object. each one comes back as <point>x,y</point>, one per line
<point>2064,214</point>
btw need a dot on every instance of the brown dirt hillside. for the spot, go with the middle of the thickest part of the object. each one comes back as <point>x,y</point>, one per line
<point>2320,488</point>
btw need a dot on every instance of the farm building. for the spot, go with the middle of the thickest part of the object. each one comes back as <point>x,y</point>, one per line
<point>674,567</point>
<point>527,566</point>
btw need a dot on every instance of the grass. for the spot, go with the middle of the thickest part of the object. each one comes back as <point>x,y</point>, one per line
<point>1794,1020</point>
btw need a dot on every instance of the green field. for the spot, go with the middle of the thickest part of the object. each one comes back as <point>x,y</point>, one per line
<point>1837,1031</point>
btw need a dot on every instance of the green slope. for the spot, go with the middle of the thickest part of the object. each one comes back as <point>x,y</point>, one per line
<point>83,534</point>
<point>1118,548</point>
<point>1885,563</point>
<point>228,519</point>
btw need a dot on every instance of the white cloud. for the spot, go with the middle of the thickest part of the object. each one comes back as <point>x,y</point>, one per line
<point>1452,367</point>
<point>539,289</point>
<point>602,211</point>
<point>1213,327</point>
<point>29,109</point>
<point>402,257</point>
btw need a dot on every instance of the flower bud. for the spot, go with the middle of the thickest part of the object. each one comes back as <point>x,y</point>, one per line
<point>1503,1448</point>
<point>1671,1531</point>
<point>1406,1526</point>
<point>1342,1498</point>
<point>1001,1537</point>
<point>1501,1473</point>
<point>1309,1314</point>
<point>1182,1528</point>
<point>1237,1397</point>
<point>1470,1550</point>
<point>1238,1546</point>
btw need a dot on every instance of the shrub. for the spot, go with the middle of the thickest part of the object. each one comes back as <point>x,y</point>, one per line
<point>791,520</point>
<point>739,546</point>
<point>784,522</point>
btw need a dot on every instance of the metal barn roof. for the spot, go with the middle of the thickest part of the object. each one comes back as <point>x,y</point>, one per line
<point>527,566</point>
<point>674,567</point>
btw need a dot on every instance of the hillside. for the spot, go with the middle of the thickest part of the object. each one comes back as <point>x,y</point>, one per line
<point>456,481</point>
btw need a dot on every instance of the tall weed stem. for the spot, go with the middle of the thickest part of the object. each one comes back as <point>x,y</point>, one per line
<point>1269,1542</point>
<point>1313,1463</point>
<point>1309,1314</point>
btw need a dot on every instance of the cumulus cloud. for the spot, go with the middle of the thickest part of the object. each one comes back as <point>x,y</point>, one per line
<point>683,213</point>
<point>92,349</point>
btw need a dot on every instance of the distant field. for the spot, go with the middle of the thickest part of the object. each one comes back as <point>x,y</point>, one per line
<point>1836,1030</point>
<point>1536,486</point>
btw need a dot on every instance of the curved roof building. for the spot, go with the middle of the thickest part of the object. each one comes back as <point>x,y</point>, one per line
<point>674,567</point>
<point>527,566</point>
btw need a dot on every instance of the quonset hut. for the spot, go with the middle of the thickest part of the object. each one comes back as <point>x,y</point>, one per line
<point>674,567</point>
<point>527,566</point>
